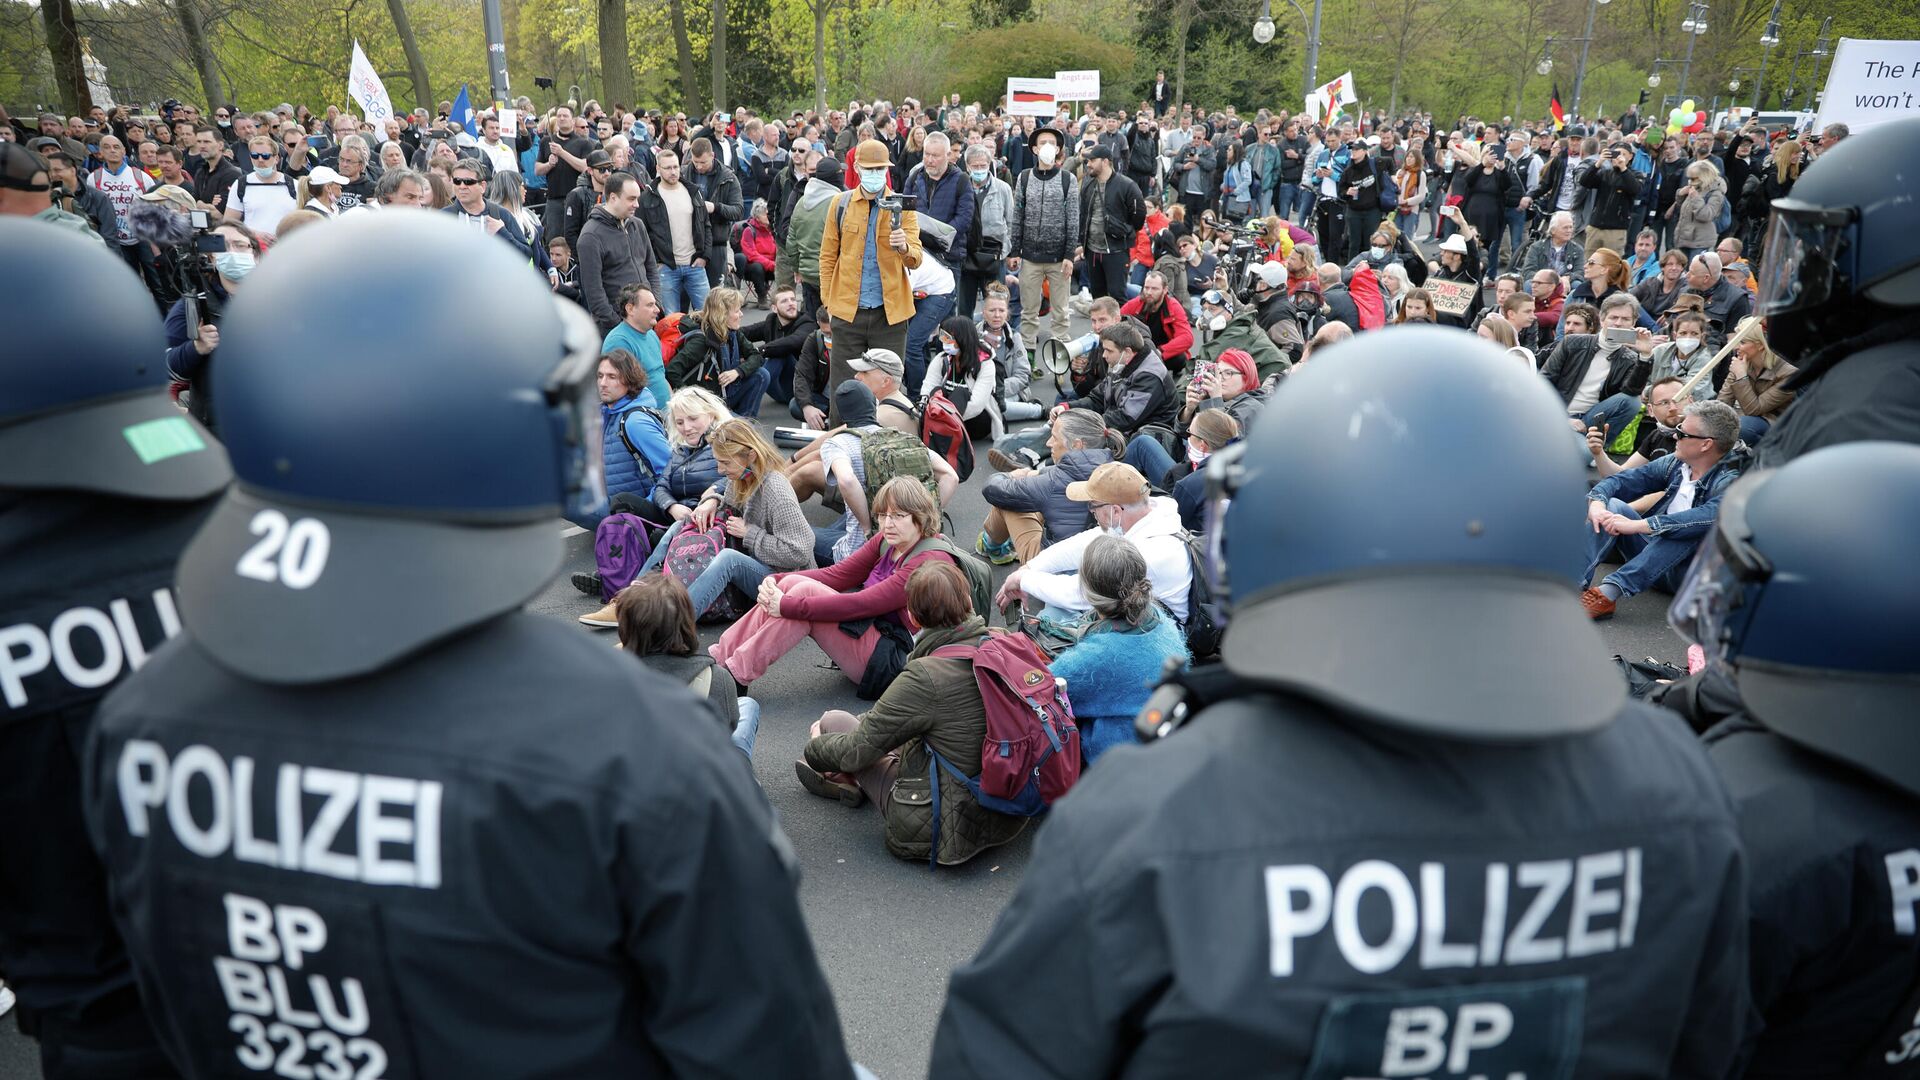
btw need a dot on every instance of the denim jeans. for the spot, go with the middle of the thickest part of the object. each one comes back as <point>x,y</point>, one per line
<point>747,729</point>
<point>928,313</point>
<point>730,567</point>
<point>795,407</point>
<point>1287,198</point>
<point>824,537</point>
<point>659,554</point>
<point>1751,428</point>
<point>682,288</point>
<point>1150,458</point>
<point>747,392</point>
<point>1613,414</point>
<point>1648,561</point>
<point>1516,235</point>
<point>779,377</point>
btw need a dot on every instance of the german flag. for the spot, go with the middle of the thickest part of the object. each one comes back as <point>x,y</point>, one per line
<point>1559,114</point>
<point>1031,97</point>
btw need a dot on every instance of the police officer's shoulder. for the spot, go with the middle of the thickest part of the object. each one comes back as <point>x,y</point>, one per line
<point>1791,799</point>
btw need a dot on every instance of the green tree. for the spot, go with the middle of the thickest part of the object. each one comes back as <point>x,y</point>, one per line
<point>981,62</point>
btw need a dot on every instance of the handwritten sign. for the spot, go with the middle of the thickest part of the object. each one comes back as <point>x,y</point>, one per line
<point>1452,297</point>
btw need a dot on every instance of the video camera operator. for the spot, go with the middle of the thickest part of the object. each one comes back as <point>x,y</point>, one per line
<point>161,222</point>
<point>210,271</point>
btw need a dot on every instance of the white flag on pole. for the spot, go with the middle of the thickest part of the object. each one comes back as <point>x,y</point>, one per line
<point>365,88</point>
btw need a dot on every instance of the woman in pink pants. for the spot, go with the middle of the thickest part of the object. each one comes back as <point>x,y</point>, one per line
<point>865,592</point>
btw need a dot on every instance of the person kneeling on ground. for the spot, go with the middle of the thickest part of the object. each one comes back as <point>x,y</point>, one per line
<point>656,625</point>
<point>1121,502</point>
<point>1029,508</point>
<point>856,609</point>
<point>935,702</point>
<point>1123,649</point>
<point>1658,546</point>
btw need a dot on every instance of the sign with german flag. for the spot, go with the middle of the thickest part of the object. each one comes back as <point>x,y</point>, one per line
<point>1031,97</point>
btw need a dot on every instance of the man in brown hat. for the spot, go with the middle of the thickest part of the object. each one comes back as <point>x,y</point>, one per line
<point>1121,504</point>
<point>865,254</point>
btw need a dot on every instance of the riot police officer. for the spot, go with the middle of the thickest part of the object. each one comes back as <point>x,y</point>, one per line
<point>1805,597</point>
<point>367,817</point>
<point>102,481</point>
<point>1840,290</point>
<point>1416,828</point>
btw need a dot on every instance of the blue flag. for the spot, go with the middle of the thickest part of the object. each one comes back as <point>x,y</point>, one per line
<point>463,112</point>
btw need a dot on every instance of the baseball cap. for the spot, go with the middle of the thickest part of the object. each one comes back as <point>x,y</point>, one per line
<point>599,159</point>
<point>1097,151</point>
<point>1272,274</point>
<point>1114,482</point>
<point>882,360</point>
<point>171,193</point>
<point>324,175</point>
<point>19,165</point>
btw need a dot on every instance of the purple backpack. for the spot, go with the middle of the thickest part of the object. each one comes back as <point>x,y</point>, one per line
<point>621,545</point>
<point>688,556</point>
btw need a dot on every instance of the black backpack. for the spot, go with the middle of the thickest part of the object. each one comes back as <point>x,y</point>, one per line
<point>1206,619</point>
<point>247,182</point>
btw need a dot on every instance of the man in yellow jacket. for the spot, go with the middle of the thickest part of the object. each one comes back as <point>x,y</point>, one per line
<point>863,282</point>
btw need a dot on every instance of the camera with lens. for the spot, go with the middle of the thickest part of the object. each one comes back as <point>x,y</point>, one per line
<point>895,204</point>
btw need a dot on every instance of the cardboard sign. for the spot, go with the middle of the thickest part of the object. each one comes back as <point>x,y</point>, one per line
<point>1452,297</point>
<point>1031,97</point>
<point>1076,85</point>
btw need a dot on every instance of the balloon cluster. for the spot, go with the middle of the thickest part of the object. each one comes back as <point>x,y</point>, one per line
<point>1686,119</point>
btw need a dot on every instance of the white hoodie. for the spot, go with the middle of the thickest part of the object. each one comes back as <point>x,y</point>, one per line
<point>1053,577</point>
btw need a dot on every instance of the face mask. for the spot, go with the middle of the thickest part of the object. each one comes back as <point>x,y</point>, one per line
<point>234,265</point>
<point>263,170</point>
<point>1377,252</point>
<point>1047,153</point>
<point>1115,529</point>
<point>1196,456</point>
<point>1686,344</point>
<point>226,123</point>
<point>950,348</point>
<point>1217,323</point>
<point>872,181</point>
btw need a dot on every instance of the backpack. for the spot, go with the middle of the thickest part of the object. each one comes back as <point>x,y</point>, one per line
<point>621,545</point>
<point>627,440</point>
<point>1031,754</point>
<point>669,330</point>
<point>247,182</point>
<point>979,575</point>
<point>1206,619</point>
<point>945,433</point>
<point>1723,220</point>
<point>886,453</point>
<point>689,554</point>
<point>1389,193</point>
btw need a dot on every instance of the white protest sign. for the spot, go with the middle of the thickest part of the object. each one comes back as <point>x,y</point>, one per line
<point>1076,85</point>
<point>367,91</point>
<point>1452,297</point>
<point>1031,97</point>
<point>509,124</point>
<point>1871,82</point>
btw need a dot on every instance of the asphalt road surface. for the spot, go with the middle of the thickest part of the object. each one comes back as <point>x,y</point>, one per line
<point>887,931</point>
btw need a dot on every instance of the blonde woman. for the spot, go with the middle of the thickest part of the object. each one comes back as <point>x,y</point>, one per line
<point>320,191</point>
<point>1696,206</point>
<point>718,358</point>
<point>1756,381</point>
<point>1501,333</point>
<point>763,516</point>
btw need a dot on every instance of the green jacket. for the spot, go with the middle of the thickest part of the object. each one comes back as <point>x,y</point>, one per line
<point>61,219</point>
<point>1243,332</point>
<point>934,700</point>
<point>808,224</point>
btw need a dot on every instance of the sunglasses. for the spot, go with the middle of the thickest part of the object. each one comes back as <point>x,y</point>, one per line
<point>463,181</point>
<point>1689,435</point>
<point>261,157</point>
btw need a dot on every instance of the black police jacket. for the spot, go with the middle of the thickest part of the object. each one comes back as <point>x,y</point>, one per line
<point>1282,891</point>
<point>1873,393</point>
<point>518,853</point>
<point>86,595</point>
<point>1834,858</point>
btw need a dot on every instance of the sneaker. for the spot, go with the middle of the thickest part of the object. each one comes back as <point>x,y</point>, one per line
<point>1597,605</point>
<point>588,583</point>
<point>1081,306</point>
<point>813,781</point>
<point>601,620</point>
<point>999,554</point>
<point>6,999</point>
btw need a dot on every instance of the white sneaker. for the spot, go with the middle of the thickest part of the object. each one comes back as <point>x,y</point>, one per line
<point>6,999</point>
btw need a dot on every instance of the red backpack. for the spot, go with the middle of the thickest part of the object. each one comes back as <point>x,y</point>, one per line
<point>669,331</point>
<point>945,433</point>
<point>1031,754</point>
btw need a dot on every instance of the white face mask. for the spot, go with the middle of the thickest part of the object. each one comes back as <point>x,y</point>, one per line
<point>1217,323</point>
<point>1196,456</point>
<point>1046,153</point>
<point>872,181</point>
<point>1377,252</point>
<point>1686,344</point>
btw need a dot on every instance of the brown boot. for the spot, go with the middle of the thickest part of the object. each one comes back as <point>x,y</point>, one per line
<point>817,783</point>
<point>1597,605</point>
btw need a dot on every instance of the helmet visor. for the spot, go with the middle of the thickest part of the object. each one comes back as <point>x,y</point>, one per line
<point>1715,601</point>
<point>573,399</point>
<point>1226,469</point>
<point>1802,253</point>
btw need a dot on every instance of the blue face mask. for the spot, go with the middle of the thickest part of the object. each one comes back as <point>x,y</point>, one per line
<point>978,176</point>
<point>234,265</point>
<point>873,181</point>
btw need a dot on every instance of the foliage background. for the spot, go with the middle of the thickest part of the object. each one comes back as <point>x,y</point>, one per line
<point>1449,56</point>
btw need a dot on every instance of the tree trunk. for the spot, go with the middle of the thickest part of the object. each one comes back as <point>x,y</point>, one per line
<point>719,55</point>
<point>616,64</point>
<point>820,11</point>
<point>201,53</point>
<point>689,87</point>
<point>416,61</point>
<point>1182,26</point>
<point>63,44</point>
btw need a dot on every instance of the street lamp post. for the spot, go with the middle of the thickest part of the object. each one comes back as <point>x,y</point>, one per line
<point>1263,30</point>
<point>1768,39</point>
<point>1819,49</point>
<point>1694,26</point>
<point>1586,42</point>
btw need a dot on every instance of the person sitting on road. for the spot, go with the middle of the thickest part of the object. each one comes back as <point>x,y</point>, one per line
<point>1657,547</point>
<point>1653,439</point>
<point>1123,648</point>
<point>838,463</point>
<point>1137,390</point>
<point>1686,354</point>
<point>810,373</point>
<point>968,373</point>
<point>856,609</point>
<point>720,359</point>
<point>1166,320</point>
<point>1001,337</point>
<point>1230,384</point>
<point>1756,381</point>
<point>1236,326</point>
<point>1600,379</point>
<point>633,443</point>
<point>1122,503</point>
<point>933,703</point>
<point>656,624</point>
<point>1028,508</point>
<point>1212,431</point>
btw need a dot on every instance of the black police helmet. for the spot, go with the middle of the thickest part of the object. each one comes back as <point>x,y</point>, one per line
<point>399,478</point>
<point>83,377</point>
<point>1807,589</point>
<point>1406,514</point>
<point>1844,235</point>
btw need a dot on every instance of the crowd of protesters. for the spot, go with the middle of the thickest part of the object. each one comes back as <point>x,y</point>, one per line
<point>1212,253</point>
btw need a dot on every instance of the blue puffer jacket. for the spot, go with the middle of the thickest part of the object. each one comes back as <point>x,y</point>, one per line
<point>1045,493</point>
<point>627,474</point>
<point>1110,674</point>
<point>691,472</point>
